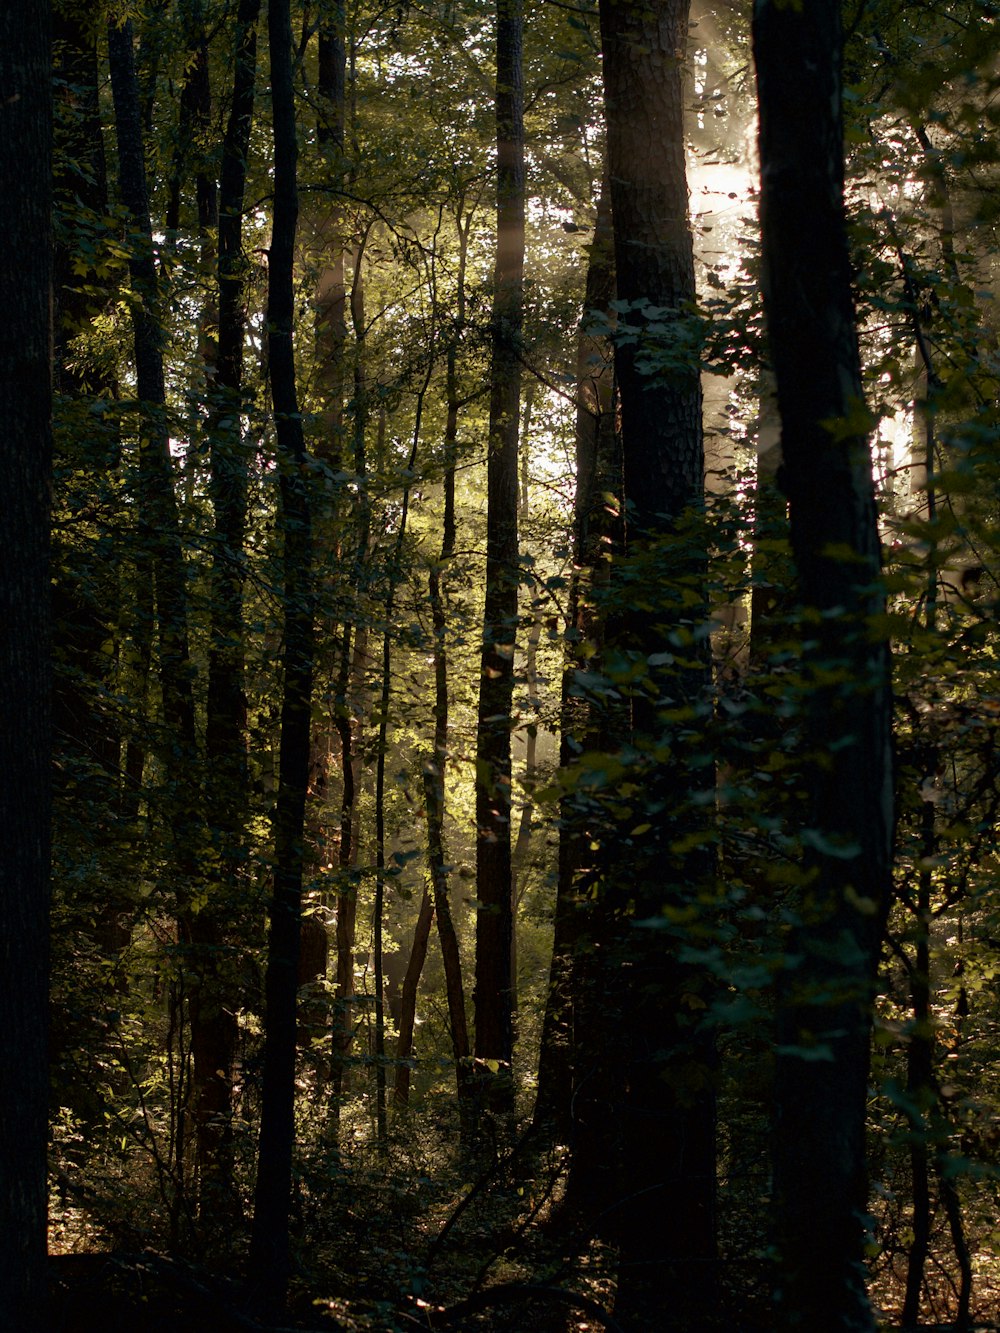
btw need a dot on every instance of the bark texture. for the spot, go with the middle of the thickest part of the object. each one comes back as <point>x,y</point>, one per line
<point>25,655</point>
<point>826,987</point>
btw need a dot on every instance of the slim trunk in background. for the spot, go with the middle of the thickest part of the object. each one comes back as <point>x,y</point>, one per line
<point>25,655</point>
<point>332,591</point>
<point>157,499</point>
<point>665,1219</point>
<point>826,987</point>
<point>381,1117</point>
<point>525,826</point>
<point>86,583</point>
<point>494,1019</point>
<point>226,715</point>
<point>350,691</point>
<point>194,127</point>
<point>436,901</point>
<point>269,1243</point>
<point>209,1007</point>
<point>435,772</point>
<point>408,998</point>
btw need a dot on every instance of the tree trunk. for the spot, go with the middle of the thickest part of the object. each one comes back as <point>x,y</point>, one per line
<point>194,126</point>
<point>161,530</point>
<point>598,477</point>
<point>494,1022</point>
<point>329,384</point>
<point>408,1002</point>
<point>269,1244</point>
<point>826,987</point>
<point>214,1028</point>
<point>666,1212</point>
<point>347,706</point>
<point>436,767</point>
<point>25,655</point>
<point>156,482</point>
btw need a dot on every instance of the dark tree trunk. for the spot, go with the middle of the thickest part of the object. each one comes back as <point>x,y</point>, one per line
<point>561,1098</point>
<point>920,1084</point>
<point>666,1212</point>
<point>158,501</point>
<point>194,127</point>
<point>825,995</point>
<point>347,706</point>
<point>493,1000</point>
<point>25,655</point>
<point>85,590</point>
<point>394,573</point>
<point>159,518</point>
<point>436,768</point>
<point>214,1028</point>
<point>213,1032</point>
<point>269,1245</point>
<point>408,1000</point>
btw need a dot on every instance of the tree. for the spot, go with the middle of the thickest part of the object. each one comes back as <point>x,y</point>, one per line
<point>269,1246</point>
<point>667,1188</point>
<point>826,984</point>
<point>494,1044</point>
<point>226,711</point>
<point>25,655</point>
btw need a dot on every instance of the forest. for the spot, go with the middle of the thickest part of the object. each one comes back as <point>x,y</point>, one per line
<point>499,577</point>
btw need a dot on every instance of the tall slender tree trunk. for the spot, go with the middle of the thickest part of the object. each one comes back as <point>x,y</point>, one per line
<point>25,655</point>
<point>329,387</point>
<point>194,127</point>
<point>350,692</point>
<point>826,986</point>
<point>493,1001</point>
<point>666,1212</point>
<point>216,930</point>
<point>159,515</point>
<point>408,998</point>
<point>213,1031</point>
<point>158,501</point>
<point>436,900</point>
<point>565,1038</point>
<point>269,1243</point>
<point>436,770</point>
<point>86,588</point>
<point>394,572</point>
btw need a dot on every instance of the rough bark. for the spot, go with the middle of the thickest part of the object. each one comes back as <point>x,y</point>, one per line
<point>269,1245</point>
<point>25,655</point>
<point>826,986</point>
<point>494,1021</point>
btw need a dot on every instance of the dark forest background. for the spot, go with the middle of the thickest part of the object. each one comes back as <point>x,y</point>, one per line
<point>499,578</point>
